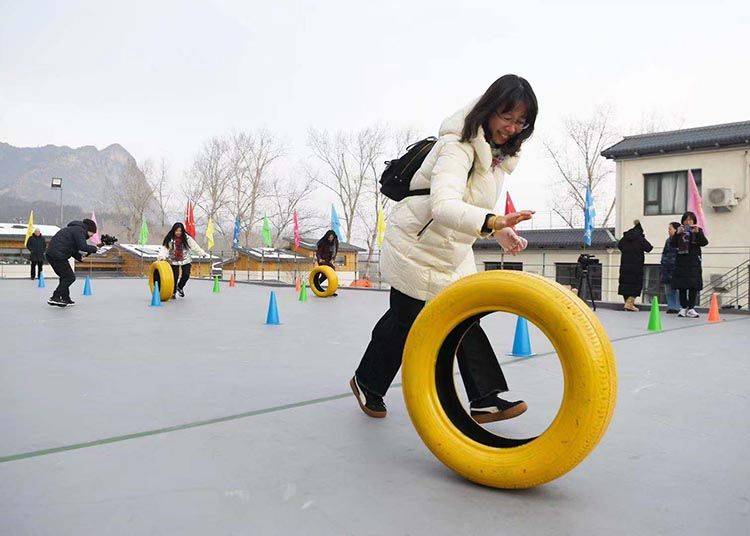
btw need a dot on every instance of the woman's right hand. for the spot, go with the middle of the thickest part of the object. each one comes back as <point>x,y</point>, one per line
<point>512,219</point>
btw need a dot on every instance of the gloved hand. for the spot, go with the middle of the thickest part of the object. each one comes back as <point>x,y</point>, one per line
<point>510,241</point>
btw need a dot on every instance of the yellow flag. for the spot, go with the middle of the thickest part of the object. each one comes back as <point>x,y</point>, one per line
<point>29,228</point>
<point>380,227</point>
<point>210,233</point>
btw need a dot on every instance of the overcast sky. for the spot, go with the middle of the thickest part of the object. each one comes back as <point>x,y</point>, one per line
<point>160,77</point>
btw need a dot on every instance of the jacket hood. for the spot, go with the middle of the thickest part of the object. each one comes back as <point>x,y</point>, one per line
<point>76,223</point>
<point>633,234</point>
<point>454,126</point>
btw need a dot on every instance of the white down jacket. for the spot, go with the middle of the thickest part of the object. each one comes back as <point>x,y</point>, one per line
<point>187,257</point>
<point>422,264</point>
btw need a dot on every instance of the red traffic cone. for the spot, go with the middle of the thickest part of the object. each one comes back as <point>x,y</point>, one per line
<point>713,311</point>
<point>298,284</point>
<point>232,281</point>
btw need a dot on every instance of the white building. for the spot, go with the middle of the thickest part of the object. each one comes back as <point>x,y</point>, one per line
<point>651,186</point>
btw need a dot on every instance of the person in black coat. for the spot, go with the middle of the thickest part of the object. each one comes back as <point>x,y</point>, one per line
<point>688,271</point>
<point>668,258</point>
<point>67,243</point>
<point>325,254</point>
<point>36,245</point>
<point>633,245</point>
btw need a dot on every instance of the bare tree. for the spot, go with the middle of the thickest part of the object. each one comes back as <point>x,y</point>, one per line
<point>251,155</point>
<point>288,196</point>
<point>579,165</point>
<point>158,178</point>
<point>207,182</point>
<point>344,161</point>
<point>134,197</point>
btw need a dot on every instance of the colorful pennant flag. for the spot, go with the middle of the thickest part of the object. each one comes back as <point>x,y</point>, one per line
<point>267,240</point>
<point>210,233</point>
<point>695,203</point>
<point>29,228</point>
<point>143,236</point>
<point>297,237</point>
<point>380,227</point>
<point>190,220</point>
<point>95,238</point>
<point>236,234</point>
<point>589,214</point>
<point>335,223</point>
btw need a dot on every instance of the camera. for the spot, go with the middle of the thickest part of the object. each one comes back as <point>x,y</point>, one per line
<point>586,259</point>
<point>108,240</point>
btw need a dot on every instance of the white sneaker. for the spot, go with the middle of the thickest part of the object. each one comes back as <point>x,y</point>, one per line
<point>682,313</point>
<point>692,313</point>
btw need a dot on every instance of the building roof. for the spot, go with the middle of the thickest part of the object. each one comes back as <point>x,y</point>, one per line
<point>557,239</point>
<point>307,242</point>
<point>15,230</point>
<point>150,252</point>
<point>690,139</point>
<point>270,254</point>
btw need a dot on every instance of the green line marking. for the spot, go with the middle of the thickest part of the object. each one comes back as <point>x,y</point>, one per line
<point>275,409</point>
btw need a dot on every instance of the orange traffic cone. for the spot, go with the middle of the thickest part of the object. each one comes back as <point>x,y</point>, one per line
<point>713,311</point>
<point>297,284</point>
<point>232,281</point>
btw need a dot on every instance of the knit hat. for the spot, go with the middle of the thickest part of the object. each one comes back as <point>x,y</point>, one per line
<point>90,225</point>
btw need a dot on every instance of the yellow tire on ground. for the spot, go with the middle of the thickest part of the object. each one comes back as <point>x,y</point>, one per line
<point>326,273</point>
<point>161,271</point>
<point>588,366</point>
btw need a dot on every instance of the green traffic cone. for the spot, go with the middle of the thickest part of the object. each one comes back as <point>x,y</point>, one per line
<point>654,318</point>
<point>217,288</point>
<point>303,292</point>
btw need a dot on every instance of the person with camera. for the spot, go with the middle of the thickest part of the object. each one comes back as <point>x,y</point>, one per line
<point>632,245</point>
<point>668,258</point>
<point>428,243</point>
<point>178,248</point>
<point>36,246</point>
<point>68,242</point>
<point>688,270</point>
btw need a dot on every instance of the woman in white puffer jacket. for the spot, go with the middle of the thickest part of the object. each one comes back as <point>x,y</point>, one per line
<point>429,238</point>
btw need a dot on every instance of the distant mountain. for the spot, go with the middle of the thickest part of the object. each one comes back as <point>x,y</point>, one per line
<point>88,174</point>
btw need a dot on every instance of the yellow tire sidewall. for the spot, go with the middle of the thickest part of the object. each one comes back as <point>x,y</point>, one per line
<point>330,275</point>
<point>588,366</point>
<point>166,279</point>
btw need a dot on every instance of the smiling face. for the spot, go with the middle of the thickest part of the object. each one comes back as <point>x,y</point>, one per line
<point>503,126</point>
<point>178,231</point>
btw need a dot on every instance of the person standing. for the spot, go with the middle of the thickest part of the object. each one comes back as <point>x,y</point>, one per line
<point>178,248</point>
<point>688,270</point>
<point>633,245</point>
<point>36,245</point>
<point>429,238</point>
<point>668,257</point>
<point>68,242</point>
<point>325,254</point>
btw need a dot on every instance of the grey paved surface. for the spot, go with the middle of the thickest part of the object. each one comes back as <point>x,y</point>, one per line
<point>102,427</point>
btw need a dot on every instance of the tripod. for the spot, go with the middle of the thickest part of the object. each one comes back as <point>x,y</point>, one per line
<point>585,277</point>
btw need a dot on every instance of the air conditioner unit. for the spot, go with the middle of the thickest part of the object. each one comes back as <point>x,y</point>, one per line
<point>722,199</point>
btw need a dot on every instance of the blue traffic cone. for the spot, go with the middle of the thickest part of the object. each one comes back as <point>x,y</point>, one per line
<point>41,284</point>
<point>521,341</point>
<point>272,318</point>
<point>156,298</point>
<point>87,286</point>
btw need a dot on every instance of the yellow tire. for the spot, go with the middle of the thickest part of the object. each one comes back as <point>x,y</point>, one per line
<point>326,273</point>
<point>588,366</point>
<point>161,271</point>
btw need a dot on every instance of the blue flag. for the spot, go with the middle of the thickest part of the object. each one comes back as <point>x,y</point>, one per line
<point>335,224</point>
<point>236,237</point>
<point>589,213</point>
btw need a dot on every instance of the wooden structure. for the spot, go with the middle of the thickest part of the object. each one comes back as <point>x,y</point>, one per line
<point>346,260</point>
<point>133,260</point>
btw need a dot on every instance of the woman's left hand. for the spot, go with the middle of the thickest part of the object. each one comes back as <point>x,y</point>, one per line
<point>510,241</point>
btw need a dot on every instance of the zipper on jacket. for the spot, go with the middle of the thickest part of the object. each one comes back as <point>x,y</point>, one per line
<point>424,229</point>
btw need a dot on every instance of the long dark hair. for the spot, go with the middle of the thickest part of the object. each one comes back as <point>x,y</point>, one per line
<point>324,241</point>
<point>170,235</point>
<point>502,96</point>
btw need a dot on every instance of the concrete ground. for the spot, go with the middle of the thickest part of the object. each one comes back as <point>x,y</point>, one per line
<point>196,418</point>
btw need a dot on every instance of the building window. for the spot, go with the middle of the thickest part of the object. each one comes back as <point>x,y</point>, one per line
<point>566,273</point>
<point>341,260</point>
<point>504,266</point>
<point>666,193</point>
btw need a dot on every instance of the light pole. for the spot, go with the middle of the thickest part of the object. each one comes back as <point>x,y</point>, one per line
<point>57,183</point>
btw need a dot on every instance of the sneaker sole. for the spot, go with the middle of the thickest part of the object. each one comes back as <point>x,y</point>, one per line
<point>515,411</point>
<point>54,304</point>
<point>368,411</point>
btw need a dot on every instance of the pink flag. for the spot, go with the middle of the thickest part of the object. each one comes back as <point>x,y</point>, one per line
<point>695,204</point>
<point>297,238</point>
<point>95,238</point>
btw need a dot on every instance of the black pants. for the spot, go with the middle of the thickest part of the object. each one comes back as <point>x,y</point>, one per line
<point>479,368</point>
<point>184,278</point>
<point>36,265</point>
<point>688,297</point>
<point>67,277</point>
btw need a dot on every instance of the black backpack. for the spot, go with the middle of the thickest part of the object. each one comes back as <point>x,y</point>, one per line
<point>395,180</point>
